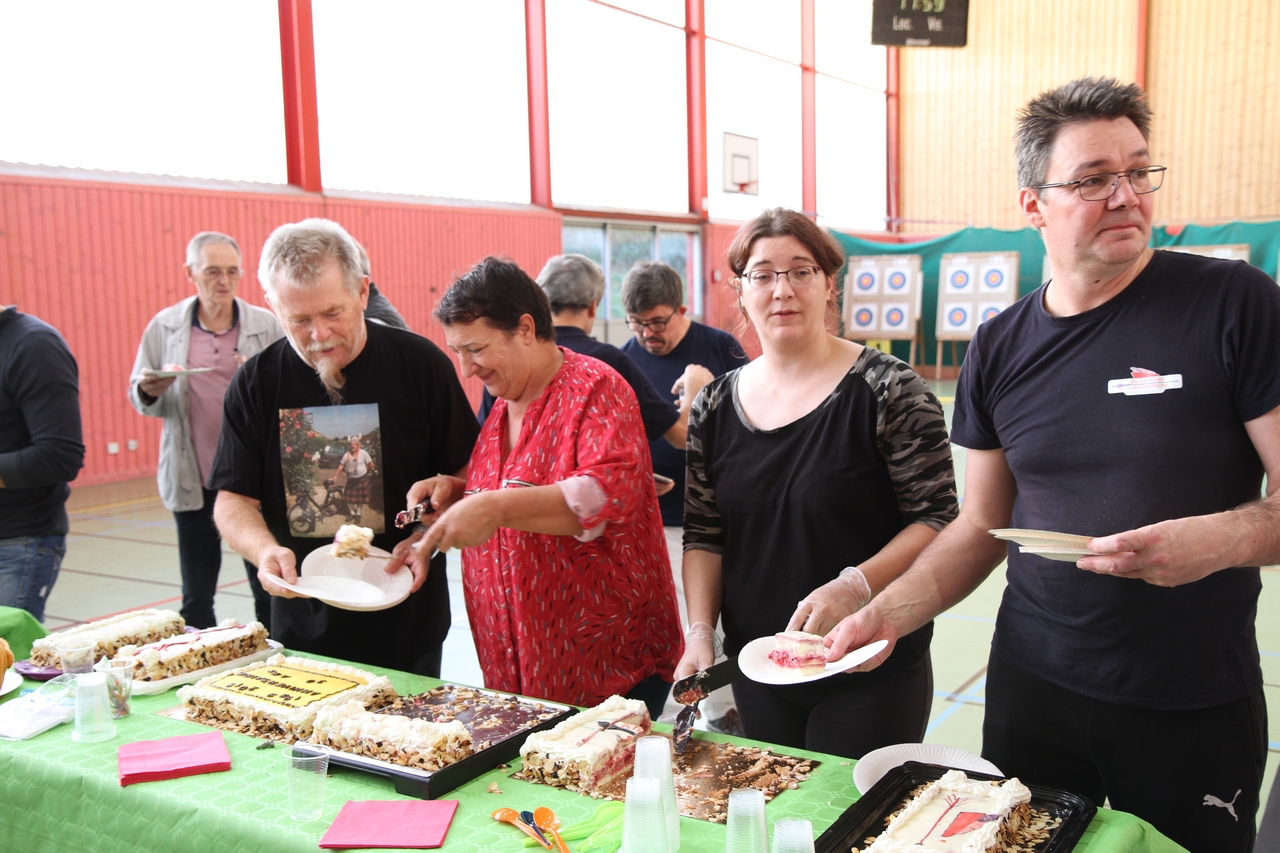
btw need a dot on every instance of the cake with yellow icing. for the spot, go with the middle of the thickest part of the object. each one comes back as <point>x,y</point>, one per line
<point>280,697</point>
<point>590,749</point>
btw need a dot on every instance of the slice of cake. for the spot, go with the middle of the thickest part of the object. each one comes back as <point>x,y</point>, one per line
<point>590,749</point>
<point>958,814</point>
<point>134,628</point>
<point>489,717</point>
<point>280,697</point>
<point>352,542</point>
<point>796,650</point>
<point>389,737</point>
<point>195,651</point>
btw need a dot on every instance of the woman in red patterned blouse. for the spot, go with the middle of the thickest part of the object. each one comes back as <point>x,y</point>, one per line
<point>565,568</point>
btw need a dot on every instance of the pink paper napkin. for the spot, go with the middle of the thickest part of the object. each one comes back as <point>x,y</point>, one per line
<point>186,755</point>
<point>390,823</point>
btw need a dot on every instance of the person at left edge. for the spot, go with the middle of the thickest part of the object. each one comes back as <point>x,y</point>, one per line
<point>40,452</point>
<point>331,357</point>
<point>217,331</point>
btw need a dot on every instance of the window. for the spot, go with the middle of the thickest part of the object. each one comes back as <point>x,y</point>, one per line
<point>156,87</point>
<point>618,246</point>
<point>423,98</point>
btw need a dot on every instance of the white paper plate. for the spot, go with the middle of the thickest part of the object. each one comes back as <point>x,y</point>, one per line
<point>12,681</point>
<point>152,688</point>
<point>1042,538</point>
<point>351,584</point>
<point>878,762</point>
<point>1058,552</point>
<point>754,662</point>
<point>169,374</point>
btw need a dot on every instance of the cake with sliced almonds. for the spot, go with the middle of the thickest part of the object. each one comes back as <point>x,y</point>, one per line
<point>956,813</point>
<point>352,542</point>
<point>195,650</point>
<point>401,740</point>
<point>109,635</point>
<point>589,750</point>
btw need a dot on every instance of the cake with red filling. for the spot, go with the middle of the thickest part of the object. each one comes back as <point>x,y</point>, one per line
<point>589,750</point>
<point>797,651</point>
<point>956,813</point>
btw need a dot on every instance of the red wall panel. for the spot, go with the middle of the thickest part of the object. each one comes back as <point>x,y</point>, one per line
<point>98,259</point>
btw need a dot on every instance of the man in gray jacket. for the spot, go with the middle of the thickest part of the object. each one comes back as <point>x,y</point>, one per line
<point>188,354</point>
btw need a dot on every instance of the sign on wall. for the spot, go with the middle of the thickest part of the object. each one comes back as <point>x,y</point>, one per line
<point>920,23</point>
<point>971,290</point>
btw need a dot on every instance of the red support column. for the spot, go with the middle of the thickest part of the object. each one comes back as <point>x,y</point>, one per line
<point>1140,72</point>
<point>808,112</point>
<point>695,70</point>
<point>301,118</point>
<point>893,139</point>
<point>535,29</point>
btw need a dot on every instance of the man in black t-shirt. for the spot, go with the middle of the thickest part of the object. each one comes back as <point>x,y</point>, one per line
<point>1133,399</point>
<point>333,379</point>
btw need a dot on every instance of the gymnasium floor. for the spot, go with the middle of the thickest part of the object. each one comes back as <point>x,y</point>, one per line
<point>122,555</point>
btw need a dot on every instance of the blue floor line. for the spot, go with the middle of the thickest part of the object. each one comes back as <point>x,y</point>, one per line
<point>956,704</point>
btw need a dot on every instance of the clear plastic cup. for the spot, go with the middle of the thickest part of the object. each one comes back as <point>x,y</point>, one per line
<point>119,684</point>
<point>653,761</point>
<point>644,827</point>
<point>745,830</point>
<point>792,835</point>
<point>93,709</point>
<point>306,772</point>
<point>76,657</point>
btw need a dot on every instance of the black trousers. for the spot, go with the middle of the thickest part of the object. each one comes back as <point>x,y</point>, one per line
<point>1193,774</point>
<point>848,714</point>
<point>200,560</point>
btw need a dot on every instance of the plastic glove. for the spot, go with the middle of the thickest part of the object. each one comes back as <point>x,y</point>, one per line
<point>823,608</point>
<point>701,647</point>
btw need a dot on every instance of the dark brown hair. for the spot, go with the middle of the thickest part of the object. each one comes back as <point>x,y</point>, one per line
<point>780,222</point>
<point>500,292</point>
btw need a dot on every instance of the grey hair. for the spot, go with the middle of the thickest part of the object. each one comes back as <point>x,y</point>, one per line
<point>572,282</point>
<point>1086,99</point>
<point>649,284</point>
<point>204,238</point>
<point>298,252</point>
<point>364,257</point>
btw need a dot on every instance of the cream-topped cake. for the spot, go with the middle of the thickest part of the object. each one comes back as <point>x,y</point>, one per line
<point>352,541</point>
<point>796,650</point>
<point>956,814</point>
<point>281,695</point>
<point>389,737</point>
<point>589,749</point>
<point>195,650</point>
<point>108,635</point>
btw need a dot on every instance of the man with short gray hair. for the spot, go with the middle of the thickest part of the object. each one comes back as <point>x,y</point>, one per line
<point>1134,402</point>
<point>574,285</point>
<point>336,377</point>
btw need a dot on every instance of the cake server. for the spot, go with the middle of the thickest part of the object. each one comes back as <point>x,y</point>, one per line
<point>692,690</point>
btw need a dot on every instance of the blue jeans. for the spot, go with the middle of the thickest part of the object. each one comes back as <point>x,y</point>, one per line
<point>28,569</point>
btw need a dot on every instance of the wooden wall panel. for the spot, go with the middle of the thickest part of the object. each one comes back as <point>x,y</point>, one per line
<point>98,260</point>
<point>958,104</point>
<point>1215,88</point>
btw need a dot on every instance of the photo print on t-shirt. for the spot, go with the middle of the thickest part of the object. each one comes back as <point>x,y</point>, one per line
<point>331,458</point>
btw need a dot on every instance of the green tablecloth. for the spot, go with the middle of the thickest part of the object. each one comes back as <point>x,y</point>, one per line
<point>20,629</point>
<point>56,794</point>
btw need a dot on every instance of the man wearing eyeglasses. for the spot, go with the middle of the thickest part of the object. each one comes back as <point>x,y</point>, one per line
<point>677,354</point>
<point>185,361</point>
<point>1135,399</point>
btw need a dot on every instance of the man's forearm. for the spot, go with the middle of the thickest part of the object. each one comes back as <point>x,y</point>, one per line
<point>242,526</point>
<point>1258,525</point>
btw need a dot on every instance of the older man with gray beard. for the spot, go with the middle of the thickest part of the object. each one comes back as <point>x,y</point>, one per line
<point>335,376</point>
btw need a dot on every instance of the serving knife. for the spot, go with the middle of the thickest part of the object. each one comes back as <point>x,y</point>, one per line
<point>692,690</point>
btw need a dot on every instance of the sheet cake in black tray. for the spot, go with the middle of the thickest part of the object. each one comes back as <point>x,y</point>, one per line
<point>498,722</point>
<point>866,817</point>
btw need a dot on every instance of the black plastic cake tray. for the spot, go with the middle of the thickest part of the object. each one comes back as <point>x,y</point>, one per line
<point>866,817</point>
<point>431,784</point>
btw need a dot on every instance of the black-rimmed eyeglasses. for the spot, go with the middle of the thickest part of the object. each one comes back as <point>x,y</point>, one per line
<point>1103,185</point>
<point>635,324</point>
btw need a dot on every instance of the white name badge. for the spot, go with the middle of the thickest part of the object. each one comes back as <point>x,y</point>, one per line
<point>1144,384</point>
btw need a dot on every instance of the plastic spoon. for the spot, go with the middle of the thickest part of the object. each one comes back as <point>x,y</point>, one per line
<point>547,819</point>
<point>526,817</point>
<point>512,817</point>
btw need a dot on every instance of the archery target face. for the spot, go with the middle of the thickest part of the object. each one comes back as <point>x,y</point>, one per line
<point>866,282</point>
<point>864,318</point>
<point>987,310</point>
<point>994,278</point>
<point>894,317</point>
<point>957,317</point>
<point>898,281</point>
<point>960,280</point>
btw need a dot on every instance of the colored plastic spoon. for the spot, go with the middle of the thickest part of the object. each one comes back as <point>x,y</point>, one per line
<point>512,817</point>
<point>526,817</point>
<point>547,819</point>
